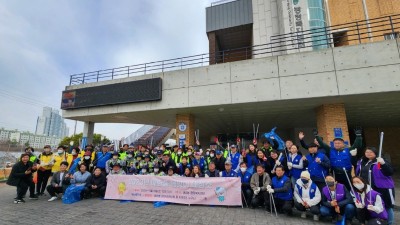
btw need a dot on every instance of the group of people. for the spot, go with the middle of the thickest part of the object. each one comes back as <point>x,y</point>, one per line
<point>329,181</point>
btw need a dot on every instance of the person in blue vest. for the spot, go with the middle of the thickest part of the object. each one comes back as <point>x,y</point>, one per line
<point>102,157</point>
<point>228,172</point>
<point>199,161</point>
<point>251,158</point>
<point>370,206</point>
<point>307,196</point>
<point>381,177</point>
<point>259,183</point>
<point>336,201</point>
<point>341,156</point>
<point>305,146</point>
<point>317,164</point>
<point>245,177</point>
<point>235,157</point>
<point>183,165</point>
<point>281,189</point>
<point>294,164</point>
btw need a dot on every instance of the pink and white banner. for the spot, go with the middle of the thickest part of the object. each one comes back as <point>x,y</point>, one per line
<point>184,190</point>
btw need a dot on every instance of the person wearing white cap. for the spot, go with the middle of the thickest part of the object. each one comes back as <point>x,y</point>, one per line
<point>307,196</point>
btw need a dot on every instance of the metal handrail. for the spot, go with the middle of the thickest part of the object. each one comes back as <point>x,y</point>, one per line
<point>322,37</point>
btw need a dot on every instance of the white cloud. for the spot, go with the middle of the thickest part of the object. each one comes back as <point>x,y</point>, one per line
<point>43,42</point>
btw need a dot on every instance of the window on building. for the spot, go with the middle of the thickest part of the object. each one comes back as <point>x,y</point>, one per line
<point>391,36</point>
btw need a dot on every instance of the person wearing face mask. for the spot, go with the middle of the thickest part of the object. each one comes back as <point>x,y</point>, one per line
<point>370,205</point>
<point>183,165</point>
<point>114,160</point>
<point>123,152</point>
<point>44,169</point>
<point>87,160</point>
<point>341,156</point>
<point>211,156</point>
<point>178,156</point>
<point>282,192</point>
<point>96,185</point>
<point>157,171</point>
<point>190,154</point>
<point>58,157</point>
<point>245,177</point>
<point>199,161</point>
<point>129,162</point>
<point>307,196</point>
<point>212,172</point>
<point>219,160</point>
<point>318,165</point>
<point>75,153</point>
<point>148,163</point>
<point>381,177</point>
<point>336,201</point>
<point>159,158</point>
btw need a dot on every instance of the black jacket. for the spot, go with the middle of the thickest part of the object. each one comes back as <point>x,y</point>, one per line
<point>18,174</point>
<point>219,163</point>
<point>56,179</point>
<point>99,181</point>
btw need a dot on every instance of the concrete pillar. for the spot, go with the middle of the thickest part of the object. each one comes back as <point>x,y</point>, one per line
<point>330,116</point>
<point>185,129</point>
<point>88,131</point>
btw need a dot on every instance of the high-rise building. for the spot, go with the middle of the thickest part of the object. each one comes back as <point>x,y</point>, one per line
<point>51,124</point>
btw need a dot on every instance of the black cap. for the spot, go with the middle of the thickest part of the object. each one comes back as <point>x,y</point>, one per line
<point>171,168</point>
<point>312,145</point>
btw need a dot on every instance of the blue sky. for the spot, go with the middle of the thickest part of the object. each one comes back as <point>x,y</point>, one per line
<point>43,42</point>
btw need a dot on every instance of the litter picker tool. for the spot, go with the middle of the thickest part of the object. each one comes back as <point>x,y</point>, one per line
<point>351,186</point>
<point>255,132</point>
<point>380,149</point>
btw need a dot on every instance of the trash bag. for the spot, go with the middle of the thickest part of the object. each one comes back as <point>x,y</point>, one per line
<point>159,204</point>
<point>35,178</point>
<point>73,194</point>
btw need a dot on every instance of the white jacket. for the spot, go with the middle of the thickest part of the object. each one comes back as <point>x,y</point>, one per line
<point>306,194</point>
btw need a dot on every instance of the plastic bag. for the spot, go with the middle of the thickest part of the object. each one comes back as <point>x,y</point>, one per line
<point>35,178</point>
<point>159,204</point>
<point>73,194</point>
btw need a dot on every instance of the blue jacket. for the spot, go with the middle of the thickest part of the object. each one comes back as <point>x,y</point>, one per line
<point>101,159</point>
<point>231,174</point>
<point>316,169</point>
<point>245,178</point>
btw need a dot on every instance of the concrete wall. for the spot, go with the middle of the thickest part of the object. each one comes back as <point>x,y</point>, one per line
<point>349,70</point>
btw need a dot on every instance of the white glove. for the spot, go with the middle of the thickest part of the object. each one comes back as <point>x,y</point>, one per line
<point>359,205</point>
<point>177,165</point>
<point>271,191</point>
<point>290,164</point>
<point>353,152</point>
<point>257,191</point>
<point>380,160</point>
<point>373,208</point>
<point>269,187</point>
<point>196,176</point>
<point>278,163</point>
<point>220,174</point>
<point>206,175</point>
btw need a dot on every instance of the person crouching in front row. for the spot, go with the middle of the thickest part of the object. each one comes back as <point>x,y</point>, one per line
<point>96,185</point>
<point>59,182</point>
<point>307,196</point>
<point>258,183</point>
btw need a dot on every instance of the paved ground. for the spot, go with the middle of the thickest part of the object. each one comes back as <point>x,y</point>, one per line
<point>96,211</point>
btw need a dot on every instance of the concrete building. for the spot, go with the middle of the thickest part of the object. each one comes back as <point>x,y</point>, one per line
<point>51,124</point>
<point>296,89</point>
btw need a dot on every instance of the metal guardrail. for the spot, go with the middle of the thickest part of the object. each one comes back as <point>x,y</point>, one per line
<point>316,38</point>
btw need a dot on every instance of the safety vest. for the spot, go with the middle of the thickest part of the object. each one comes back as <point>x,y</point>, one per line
<point>315,168</point>
<point>57,161</point>
<point>312,189</point>
<point>230,174</point>
<point>46,159</point>
<point>122,155</point>
<point>340,159</point>
<point>279,183</point>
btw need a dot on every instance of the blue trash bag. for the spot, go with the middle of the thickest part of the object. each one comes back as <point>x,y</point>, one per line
<point>73,194</point>
<point>159,204</point>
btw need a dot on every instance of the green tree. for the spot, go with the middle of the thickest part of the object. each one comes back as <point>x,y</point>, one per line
<point>78,137</point>
<point>27,144</point>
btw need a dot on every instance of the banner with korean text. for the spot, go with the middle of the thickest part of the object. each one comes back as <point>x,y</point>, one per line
<point>183,190</point>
